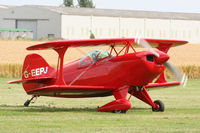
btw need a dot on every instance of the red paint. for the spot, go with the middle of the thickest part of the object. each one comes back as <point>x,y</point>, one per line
<point>98,77</point>
<point>61,53</point>
<point>119,104</point>
<point>163,57</point>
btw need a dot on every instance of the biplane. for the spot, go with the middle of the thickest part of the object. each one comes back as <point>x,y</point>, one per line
<point>102,73</point>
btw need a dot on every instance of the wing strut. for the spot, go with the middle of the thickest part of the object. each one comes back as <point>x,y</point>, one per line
<point>61,52</point>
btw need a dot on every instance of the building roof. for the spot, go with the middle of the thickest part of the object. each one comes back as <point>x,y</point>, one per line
<point>5,7</point>
<point>123,13</point>
<point>119,13</point>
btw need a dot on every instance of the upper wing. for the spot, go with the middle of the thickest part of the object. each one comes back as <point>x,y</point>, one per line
<point>96,42</point>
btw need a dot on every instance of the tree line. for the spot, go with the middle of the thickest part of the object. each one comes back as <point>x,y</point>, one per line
<point>81,3</point>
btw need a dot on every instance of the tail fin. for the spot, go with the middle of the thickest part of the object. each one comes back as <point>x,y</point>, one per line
<point>35,67</point>
<point>36,72</point>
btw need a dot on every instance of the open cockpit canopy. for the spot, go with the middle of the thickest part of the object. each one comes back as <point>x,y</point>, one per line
<point>93,56</point>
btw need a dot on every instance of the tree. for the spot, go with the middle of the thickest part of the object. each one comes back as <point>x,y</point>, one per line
<point>86,3</point>
<point>81,3</point>
<point>92,36</point>
<point>68,3</point>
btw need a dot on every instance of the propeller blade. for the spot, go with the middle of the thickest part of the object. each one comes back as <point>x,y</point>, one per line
<point>181,77</point>
<point>145,44</point>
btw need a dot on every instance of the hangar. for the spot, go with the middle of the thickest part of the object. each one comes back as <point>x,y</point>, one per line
<point>78,23</point>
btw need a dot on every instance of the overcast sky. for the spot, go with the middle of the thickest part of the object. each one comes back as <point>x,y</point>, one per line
<point>192,6</point>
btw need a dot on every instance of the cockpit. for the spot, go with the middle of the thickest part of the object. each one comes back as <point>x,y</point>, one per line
<point>93,56</point>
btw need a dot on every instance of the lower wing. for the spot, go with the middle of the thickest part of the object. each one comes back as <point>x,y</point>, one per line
<point>164,84</point>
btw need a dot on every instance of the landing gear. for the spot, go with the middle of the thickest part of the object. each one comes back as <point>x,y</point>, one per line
<point>161,106</point>
<point>119,111</point>
<point>140,92</point>
<point>26,104</point>
<point>116,106</point>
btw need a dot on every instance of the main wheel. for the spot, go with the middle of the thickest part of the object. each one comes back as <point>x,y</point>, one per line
<point>119,111</point>
<point>161,106</point>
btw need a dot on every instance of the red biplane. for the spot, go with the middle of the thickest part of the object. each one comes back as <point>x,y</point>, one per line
<point>101,73</point>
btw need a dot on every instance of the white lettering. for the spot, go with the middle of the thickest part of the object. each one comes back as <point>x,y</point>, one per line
<point>41,70</point>
<point>37,71</point>
<point>33,72</point>
<point>26,74</point>
<point>45,72</point>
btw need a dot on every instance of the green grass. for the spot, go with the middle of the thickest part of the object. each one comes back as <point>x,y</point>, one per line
<point>50,115</point>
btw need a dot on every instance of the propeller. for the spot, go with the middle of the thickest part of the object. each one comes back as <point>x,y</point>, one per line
<point>145,44</point>
<point>180,76</point>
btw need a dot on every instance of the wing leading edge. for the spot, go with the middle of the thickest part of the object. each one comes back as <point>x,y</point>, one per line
<point>96,42</point>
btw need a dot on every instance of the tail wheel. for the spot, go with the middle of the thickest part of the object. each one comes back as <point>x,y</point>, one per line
<point>161,106</point>
<point>26,104</point>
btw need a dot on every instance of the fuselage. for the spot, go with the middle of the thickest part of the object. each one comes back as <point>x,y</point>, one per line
<point>133,69</point>
<point>116,72</point>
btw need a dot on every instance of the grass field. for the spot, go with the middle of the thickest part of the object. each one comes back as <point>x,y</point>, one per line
<point>48,115</point>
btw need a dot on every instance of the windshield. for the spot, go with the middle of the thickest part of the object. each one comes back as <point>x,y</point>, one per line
<point>93,56</point>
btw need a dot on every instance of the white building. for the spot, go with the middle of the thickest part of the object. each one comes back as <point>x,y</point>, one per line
<point>76,23</point>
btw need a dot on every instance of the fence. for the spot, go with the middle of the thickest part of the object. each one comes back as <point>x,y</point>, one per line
<point>16,33</point>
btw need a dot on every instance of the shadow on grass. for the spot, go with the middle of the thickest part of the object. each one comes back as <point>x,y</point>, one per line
<point>58,109</point>
<point>44,109</point>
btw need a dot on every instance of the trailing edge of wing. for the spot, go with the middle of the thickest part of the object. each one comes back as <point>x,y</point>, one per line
<point>96,42</point>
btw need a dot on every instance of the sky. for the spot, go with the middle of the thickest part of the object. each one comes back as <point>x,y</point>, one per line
<point>190,6</point>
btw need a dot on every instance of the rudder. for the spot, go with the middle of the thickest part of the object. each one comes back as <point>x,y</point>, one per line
<point>36,72</point>
<point>35,67</point>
